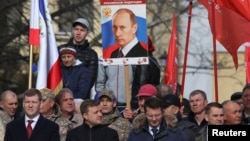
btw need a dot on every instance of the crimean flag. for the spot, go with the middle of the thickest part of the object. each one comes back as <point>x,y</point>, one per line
<point>247,63</point>
<point>171,71</point>
<point>49,70</point>
<point>231,28</point>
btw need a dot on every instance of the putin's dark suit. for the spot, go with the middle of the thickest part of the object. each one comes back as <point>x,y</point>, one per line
<point>136,51</point>
<point>44,130</point>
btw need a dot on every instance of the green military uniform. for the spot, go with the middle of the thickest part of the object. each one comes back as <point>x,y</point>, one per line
<point>121,125</point>
<point>64,124</point>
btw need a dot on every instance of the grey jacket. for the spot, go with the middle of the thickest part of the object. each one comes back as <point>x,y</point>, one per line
<point>112,77</point>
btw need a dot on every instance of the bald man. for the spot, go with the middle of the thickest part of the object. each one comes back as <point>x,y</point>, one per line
<point>8,107</point>
<point>232,113</point>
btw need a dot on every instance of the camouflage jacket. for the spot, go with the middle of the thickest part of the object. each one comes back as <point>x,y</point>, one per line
<point>2,131</point>
<point>76,120</point>
<point>64,124</point>
<point>121,125</point>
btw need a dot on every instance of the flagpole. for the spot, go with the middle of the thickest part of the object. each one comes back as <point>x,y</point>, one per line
<point>215,54</point>
<point>30,66</point>
<point>186,47</point>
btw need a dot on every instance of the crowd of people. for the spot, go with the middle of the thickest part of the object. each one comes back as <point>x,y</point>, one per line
<point>55,117</point>
<point>155,112</point>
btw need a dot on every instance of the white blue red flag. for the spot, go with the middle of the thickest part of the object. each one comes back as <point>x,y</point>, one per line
<point>42,35</point>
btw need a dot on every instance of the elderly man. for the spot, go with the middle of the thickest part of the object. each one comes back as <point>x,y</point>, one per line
<point>67,105</point>
<point>51,110</point>
<point>232,113</point>
<point>8,107</point>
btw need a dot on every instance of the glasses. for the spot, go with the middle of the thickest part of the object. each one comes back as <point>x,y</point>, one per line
<point>154,116</point>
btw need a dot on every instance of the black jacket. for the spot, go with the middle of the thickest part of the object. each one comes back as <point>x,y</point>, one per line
<point>45,130</point>
<point>145,74</point>
<point>87,56</point>
<point>96,133</point>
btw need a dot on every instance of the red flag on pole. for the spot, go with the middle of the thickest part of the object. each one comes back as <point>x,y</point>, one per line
<point>49,70</point>
<point>247,63</point>
<point>230,27</point>
<point>241,7</point>
<point>171,71</point>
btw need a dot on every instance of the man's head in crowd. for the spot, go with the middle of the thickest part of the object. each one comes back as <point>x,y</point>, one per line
<point>48,101</point>
<point>154,111</point>
<point>80,30</point>
<point>198,101</point>
<point>232,112</point>
<point>9,102</point>
<point>146,91</point>
<point>237,97</point>
<point>107,101</point>
<point>65,100</point>
<point>214,114</point>
<point>91,112</point>
<point>31,102</point>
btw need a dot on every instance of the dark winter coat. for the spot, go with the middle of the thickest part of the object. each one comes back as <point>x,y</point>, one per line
<point>77,79</point>
<point>87,56</point>
<point>145,74</point>
<point>96,133</point>
<point>165,133</point>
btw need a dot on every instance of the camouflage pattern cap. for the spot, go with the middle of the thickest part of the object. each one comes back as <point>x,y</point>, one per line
<point>47,93</point>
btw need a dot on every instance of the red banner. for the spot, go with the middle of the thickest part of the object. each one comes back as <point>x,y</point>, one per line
<point>171,71</point>
<point>247,63</point>
<point>231,28</point>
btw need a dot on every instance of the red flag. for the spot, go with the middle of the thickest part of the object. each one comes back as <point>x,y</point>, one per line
<point>231,28</point>
<point>247,63</point>
<point>242,7</point>
<point>171,71</point>
<point>49,69</point>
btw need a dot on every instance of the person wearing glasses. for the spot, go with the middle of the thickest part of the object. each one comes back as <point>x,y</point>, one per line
<point>154,127</point>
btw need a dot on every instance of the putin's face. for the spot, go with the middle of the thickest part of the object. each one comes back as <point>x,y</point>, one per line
<point>123,28</point>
